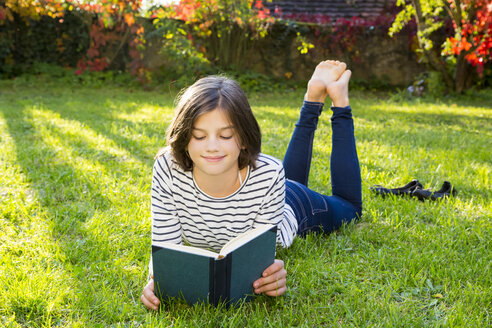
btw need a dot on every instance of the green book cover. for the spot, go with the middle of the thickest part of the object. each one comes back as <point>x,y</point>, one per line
<point>200,275</point>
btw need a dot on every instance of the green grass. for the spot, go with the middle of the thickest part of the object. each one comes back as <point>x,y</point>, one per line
<point>75,173</point>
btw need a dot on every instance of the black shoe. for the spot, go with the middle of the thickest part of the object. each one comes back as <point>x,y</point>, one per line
<point>446,190</point>
<point>407,189</point>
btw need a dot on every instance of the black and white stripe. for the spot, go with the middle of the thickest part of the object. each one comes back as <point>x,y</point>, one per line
<point>181,211</point>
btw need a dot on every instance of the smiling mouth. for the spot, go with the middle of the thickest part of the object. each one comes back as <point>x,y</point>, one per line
<point>213,158</point>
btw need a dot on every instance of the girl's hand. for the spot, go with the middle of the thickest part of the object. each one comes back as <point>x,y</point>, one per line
<point>148,297</point>
<point>273,281</point>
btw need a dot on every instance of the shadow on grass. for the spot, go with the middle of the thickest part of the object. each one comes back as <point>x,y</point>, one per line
<point>71,198</point>
<point>107,123</point>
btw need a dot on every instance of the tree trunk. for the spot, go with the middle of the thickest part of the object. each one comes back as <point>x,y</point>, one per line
<point>432,57</point>
<point>461,73</point>
<point>439,65</point>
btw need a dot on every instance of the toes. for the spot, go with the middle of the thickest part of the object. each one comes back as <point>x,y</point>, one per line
<point>337,65</point>
<point>345,76</point>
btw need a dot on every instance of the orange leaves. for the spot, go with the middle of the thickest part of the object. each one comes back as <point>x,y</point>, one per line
<point>473,59</point>
<point>259,4</point>
<point>457,46</point>
<point>474,38</point>
<point>185,10</point>
<point>110,31</point>
<point>116,36</point>
<point>263,13</point>
<point>129,19</point>
<point>199,11</point>
<point>137,29</point>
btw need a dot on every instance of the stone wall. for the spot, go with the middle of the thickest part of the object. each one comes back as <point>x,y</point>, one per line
<point>379,57</point>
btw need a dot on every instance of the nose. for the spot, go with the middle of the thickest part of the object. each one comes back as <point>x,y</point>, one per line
<point>212,144</point>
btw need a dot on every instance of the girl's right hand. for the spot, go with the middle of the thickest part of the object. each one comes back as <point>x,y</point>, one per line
<point>148,297</point>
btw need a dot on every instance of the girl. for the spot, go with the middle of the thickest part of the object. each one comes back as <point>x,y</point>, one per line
<point>212,183</point>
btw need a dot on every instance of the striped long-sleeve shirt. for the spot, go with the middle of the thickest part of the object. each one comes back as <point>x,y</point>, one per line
<point>181,211</point>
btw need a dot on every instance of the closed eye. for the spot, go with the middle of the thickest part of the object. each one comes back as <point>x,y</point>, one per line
<point>198,138</point>
<point>226,137</point>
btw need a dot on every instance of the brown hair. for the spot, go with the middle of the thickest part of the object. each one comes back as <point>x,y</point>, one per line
<point>205,95</point>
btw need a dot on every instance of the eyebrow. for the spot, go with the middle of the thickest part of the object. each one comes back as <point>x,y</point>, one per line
<point>221,129</point>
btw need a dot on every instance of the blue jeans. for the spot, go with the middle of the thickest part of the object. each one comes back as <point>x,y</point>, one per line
<point>314,211</point>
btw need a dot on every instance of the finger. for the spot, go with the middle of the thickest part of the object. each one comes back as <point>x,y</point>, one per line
<point>276,293</point>
<point>150,285</point>
<point>345,76</point>
<point>267,280</point>
<point>271,278</point>
<point>273,287</point>
<point>148,304</point>
<point>272,283</point>
<point>149,294</point>
<point>149,298</point>
<point>276,266</point>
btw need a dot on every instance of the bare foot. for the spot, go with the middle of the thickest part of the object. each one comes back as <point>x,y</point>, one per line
<point>325,73</point>
<point>338,90</point>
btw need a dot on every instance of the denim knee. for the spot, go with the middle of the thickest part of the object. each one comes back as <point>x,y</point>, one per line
<point>316,212</point>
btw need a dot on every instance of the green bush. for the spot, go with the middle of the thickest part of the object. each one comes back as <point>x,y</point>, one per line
<point>183,63</point>
<point>434,84</point>
<point>24,42</point>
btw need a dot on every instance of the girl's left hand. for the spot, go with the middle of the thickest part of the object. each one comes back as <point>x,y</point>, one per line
<point>273,280</point>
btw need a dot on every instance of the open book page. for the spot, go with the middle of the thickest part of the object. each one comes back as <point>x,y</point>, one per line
<point>192,250</point>
<point>243,239</point>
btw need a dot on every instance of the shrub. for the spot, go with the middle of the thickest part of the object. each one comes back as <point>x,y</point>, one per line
<point>25,41</point>
<point>92,35</point>
<point>222,31</point>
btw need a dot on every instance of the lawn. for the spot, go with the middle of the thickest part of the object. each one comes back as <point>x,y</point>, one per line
<point>75,174</point>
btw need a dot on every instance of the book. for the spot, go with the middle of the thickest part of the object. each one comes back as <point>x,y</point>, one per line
<point>197,274</point>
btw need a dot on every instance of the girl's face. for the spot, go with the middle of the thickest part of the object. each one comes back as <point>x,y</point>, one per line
<point>214,146</point>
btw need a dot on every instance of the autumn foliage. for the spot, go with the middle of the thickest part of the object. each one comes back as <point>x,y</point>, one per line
<point>198,34</point>
<point>470,42</point>
<point>115,25</point>
<point>112,26</point>
<point>473,35</point>
<point>221,30</point>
